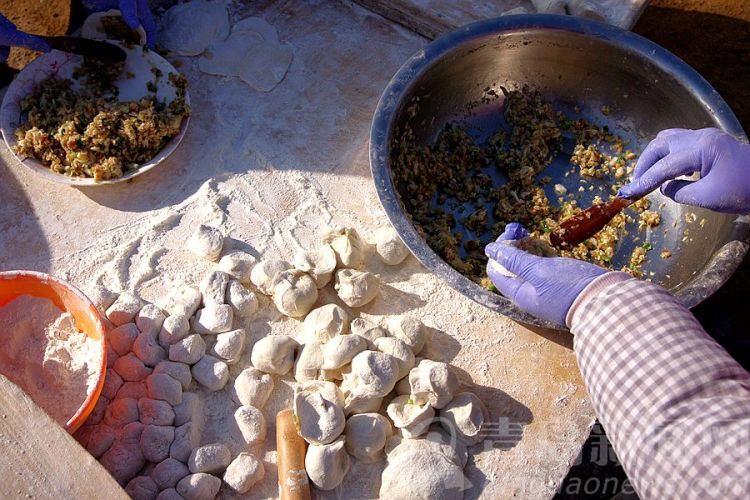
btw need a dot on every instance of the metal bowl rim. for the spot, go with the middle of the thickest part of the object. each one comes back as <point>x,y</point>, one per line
<point>410,72</point>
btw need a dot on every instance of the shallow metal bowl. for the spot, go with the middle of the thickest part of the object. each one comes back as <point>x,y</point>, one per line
<point>572,62</point>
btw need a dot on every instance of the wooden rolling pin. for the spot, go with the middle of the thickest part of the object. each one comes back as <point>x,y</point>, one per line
<point>290,449</point>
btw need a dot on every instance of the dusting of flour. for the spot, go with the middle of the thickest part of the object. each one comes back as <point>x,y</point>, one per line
<point>46,356</point>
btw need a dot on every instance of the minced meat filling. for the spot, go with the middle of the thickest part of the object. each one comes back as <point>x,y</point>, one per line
<point>89,133</point>
<point>450,177</point>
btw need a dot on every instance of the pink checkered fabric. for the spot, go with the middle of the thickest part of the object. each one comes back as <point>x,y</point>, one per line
<point>674,403</point>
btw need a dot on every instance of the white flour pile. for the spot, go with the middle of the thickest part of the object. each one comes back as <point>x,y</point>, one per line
<point>46,356</point>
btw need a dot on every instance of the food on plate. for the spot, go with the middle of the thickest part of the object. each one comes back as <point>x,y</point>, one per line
<point>81,129</point>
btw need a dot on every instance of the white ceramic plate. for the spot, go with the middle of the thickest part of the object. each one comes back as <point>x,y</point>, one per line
<point>139,63</point>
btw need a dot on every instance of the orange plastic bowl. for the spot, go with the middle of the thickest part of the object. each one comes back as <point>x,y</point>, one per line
<point>69,298</point>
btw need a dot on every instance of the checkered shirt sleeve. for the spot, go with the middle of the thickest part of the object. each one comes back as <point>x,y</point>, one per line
<point>674,403</point>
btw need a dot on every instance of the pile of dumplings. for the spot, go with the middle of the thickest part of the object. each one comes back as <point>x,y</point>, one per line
<point>363,391</point>
<point>146,428</point>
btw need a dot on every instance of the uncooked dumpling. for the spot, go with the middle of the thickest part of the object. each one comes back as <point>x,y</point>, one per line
<point>252,387</point>
<point>356,288</point>
<point>265,61</point>
<point>410,330</point>
<point>206,242</point>
<point>274,354</point>
<point>370,377</point>
<point>327,464</point>
<point>264,274</point>
<point>294,293</point>
<point>331,375</point>
<point>349,247</point>
<point>465,416</point>
<point>436,440</point>
<point>309,362</point>
<point>319,263</point>
<point>360,403</point>
<point>251,423</point>
<point>433,382</point>
<point>238,265</point>
<point>421,475</point>
<point>325,322</point>
<point>372,374</point>
<point>368,330</point>
<point>318,407</point>
<point>389,246</point>
<point>340,350</point>
<point>399,350</point>
<point>189,28</point>
<point>410,416</point>
<point>366,435</point>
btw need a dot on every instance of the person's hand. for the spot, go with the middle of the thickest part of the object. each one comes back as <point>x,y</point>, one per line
<point>543,286</point>
<point>722,160</point>
<point>134,12</point>
<point>10,36</point>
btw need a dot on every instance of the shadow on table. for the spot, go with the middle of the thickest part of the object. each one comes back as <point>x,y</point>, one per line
<point>504,431</point>
<point>440,347</point>
<point>560,337</point>
<point>22,246</point>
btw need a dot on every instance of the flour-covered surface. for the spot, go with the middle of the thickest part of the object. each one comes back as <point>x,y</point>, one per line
<point>276,170</point>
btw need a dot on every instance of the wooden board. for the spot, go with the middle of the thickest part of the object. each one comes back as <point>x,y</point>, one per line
<point>40,460</point>
<point>431,21</point>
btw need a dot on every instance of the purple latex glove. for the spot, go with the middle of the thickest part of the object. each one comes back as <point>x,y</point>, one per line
<point>10,36</point>
<point>134,12</point>
<point>544,286</point>
<point>722,160</point>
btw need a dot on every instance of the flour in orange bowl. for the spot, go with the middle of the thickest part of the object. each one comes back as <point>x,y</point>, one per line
<point>47,356</point>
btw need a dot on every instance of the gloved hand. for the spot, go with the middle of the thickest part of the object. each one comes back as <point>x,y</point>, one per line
<point>722,160</point>
<point>544,286</point>
<point>134,12</point>
<point>10,36</point>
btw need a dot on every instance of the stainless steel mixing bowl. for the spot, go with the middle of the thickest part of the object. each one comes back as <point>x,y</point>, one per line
<point>572,62</point>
